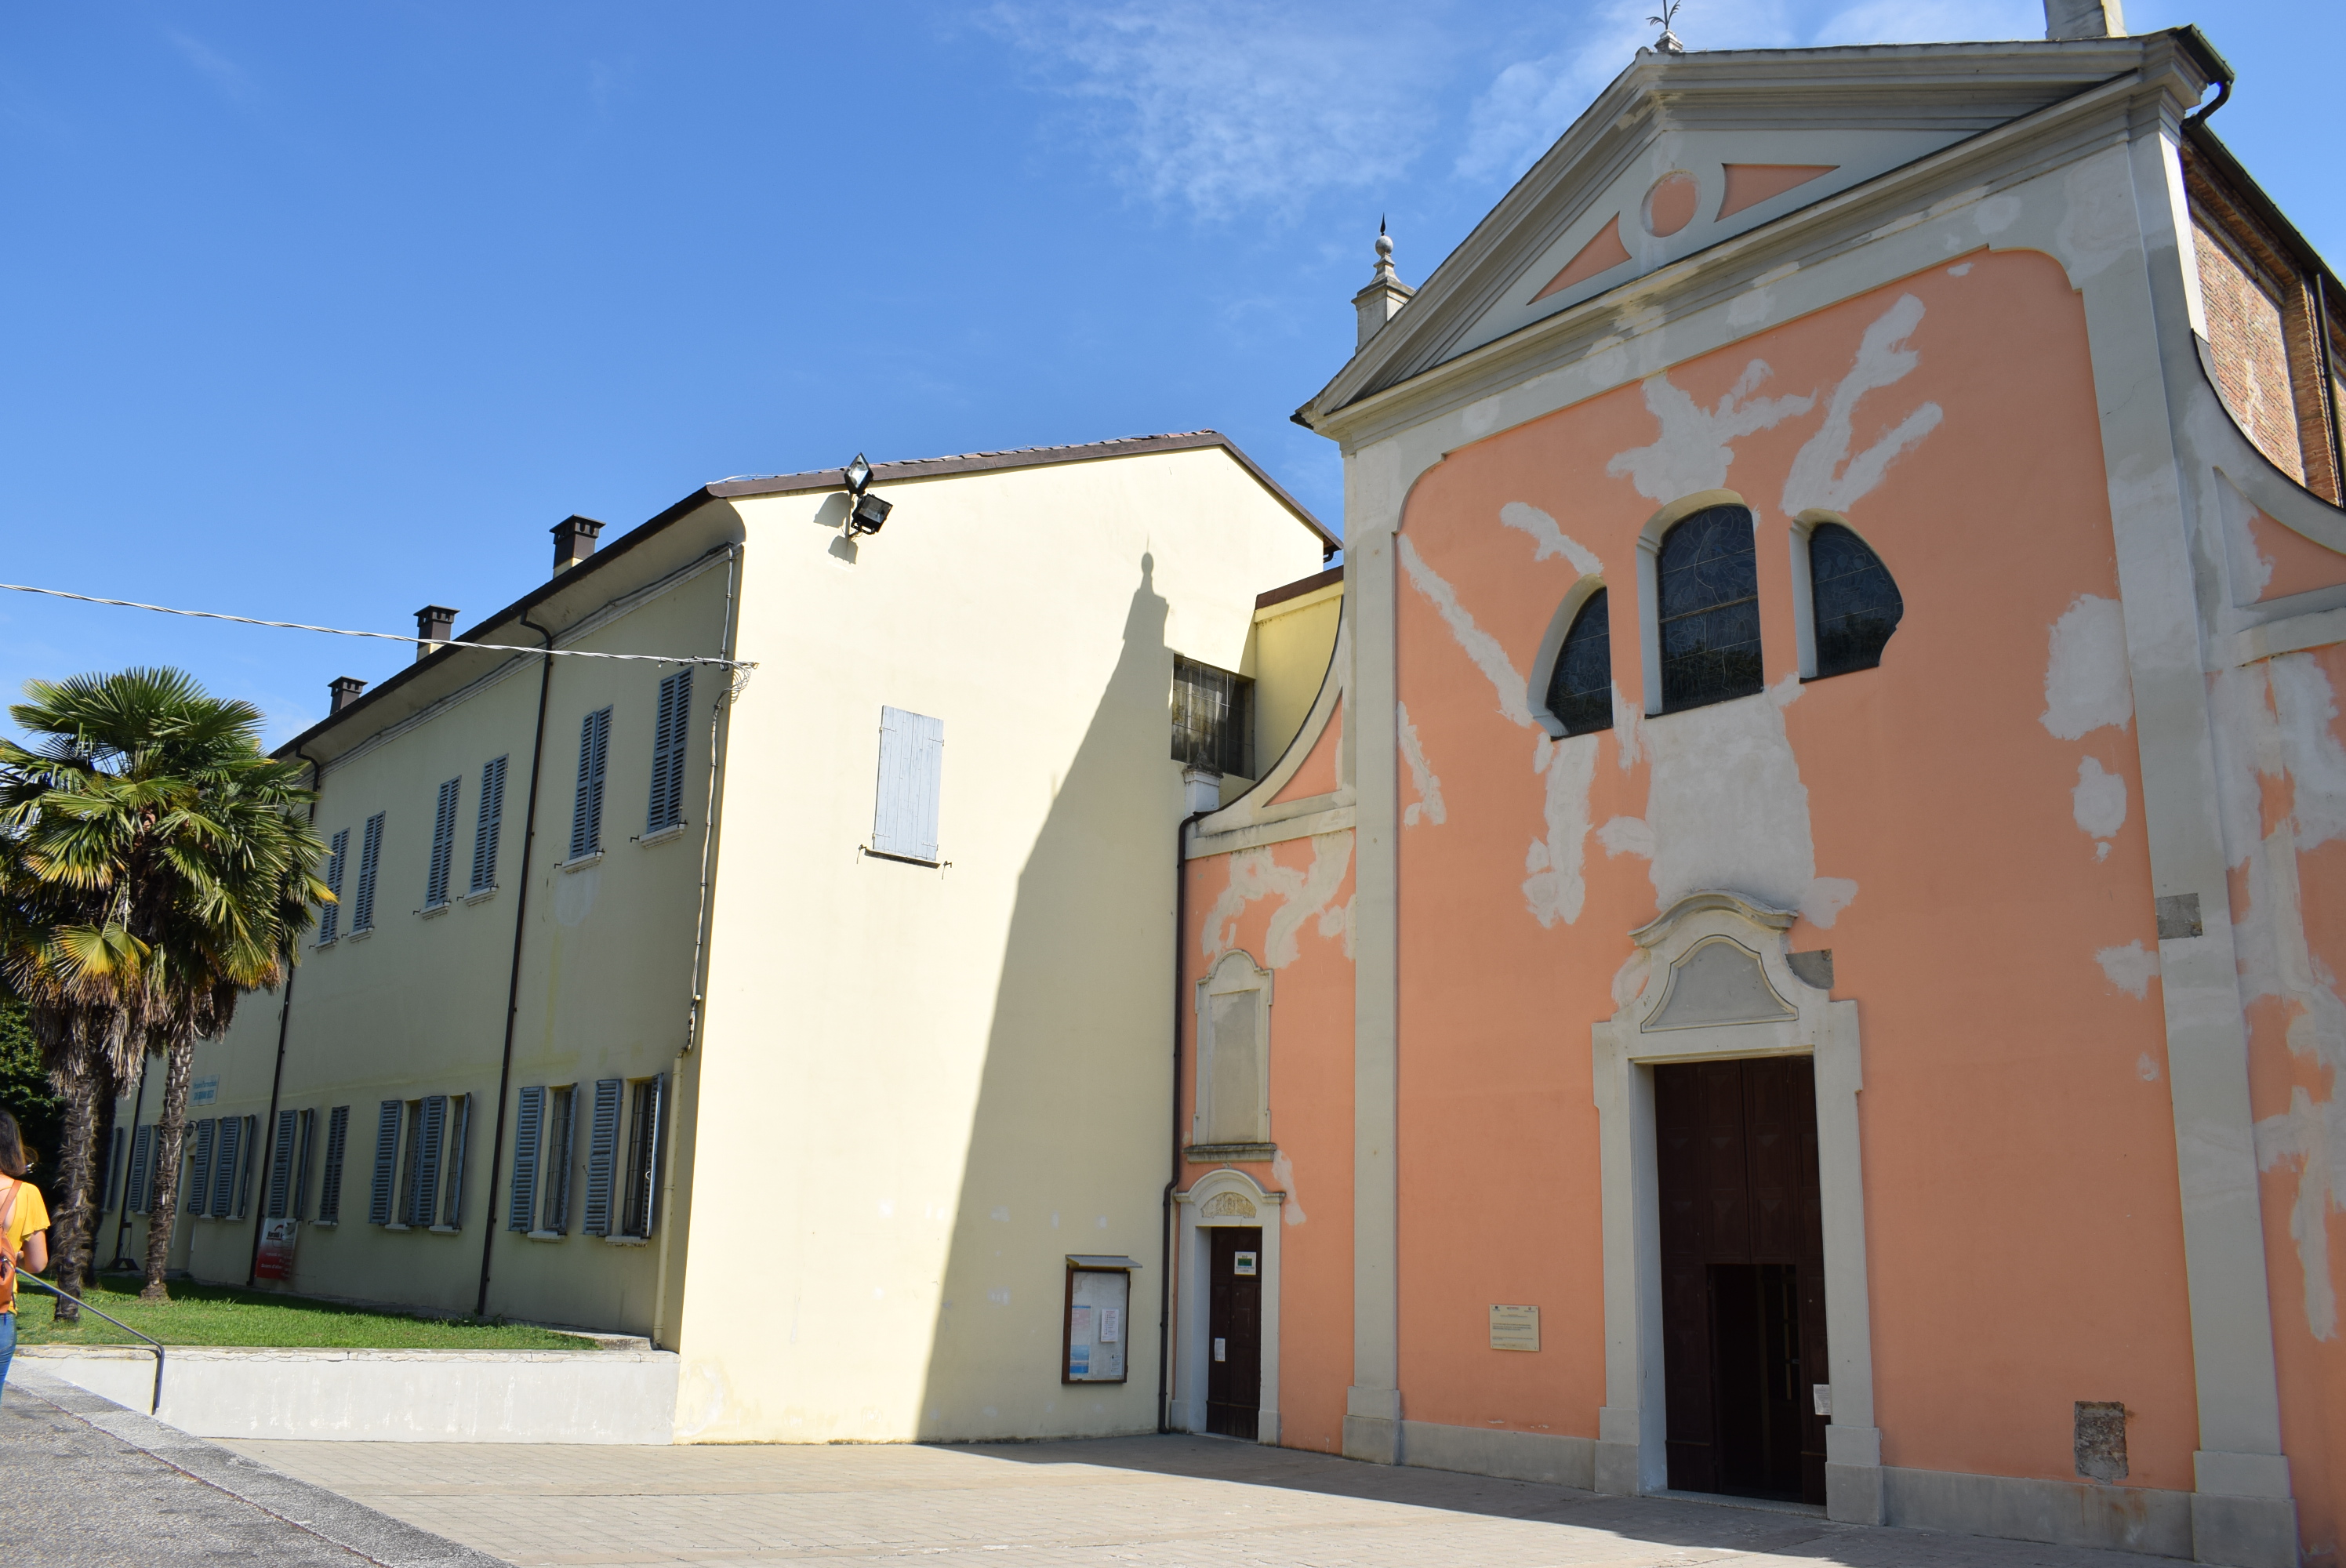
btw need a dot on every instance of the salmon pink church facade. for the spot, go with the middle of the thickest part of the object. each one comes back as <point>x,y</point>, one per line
<point>1796,952</point>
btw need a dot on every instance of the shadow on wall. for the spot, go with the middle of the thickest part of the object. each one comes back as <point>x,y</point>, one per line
<point>1067,1148</point>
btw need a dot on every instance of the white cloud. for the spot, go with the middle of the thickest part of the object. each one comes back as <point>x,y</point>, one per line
<point>1220,105</point>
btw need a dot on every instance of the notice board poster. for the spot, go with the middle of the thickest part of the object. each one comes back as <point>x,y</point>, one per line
<point>275,1259</point>
<point>1097,1327</point>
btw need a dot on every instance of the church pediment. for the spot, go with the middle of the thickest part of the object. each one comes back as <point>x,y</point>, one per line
<point>1683,153</point>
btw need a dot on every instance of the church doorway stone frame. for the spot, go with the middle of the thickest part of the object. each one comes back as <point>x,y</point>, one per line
<point>1721,982</point>
<point>1221,1197</point>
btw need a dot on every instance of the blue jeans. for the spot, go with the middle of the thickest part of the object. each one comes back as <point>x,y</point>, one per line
<point>7,1343</point>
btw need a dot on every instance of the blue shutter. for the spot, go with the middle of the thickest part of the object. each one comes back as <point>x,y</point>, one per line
<point>330,1185</point>
<point>602,1155</point>
<point>387,1162</point>
<point>142,1144</point>
<point>670,726</point>
<point>561,1132</point>
<point>225,1168</point>
<point>523,1200</point>
<point>444,843</point>
<point>330,916</point>
<point>281,1166</point>
<point>426,1184</point>
<point>452,1195</point>
<point>249,1143</point>
<point>491,818</point>
<point>912,767</point>
<point>370,857</point>
<point>593,757</point>
<point>109,1186</point>
<point>200,1181</point>
<point>300,1202</point>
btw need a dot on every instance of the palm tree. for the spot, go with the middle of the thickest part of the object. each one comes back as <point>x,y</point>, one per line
<point>154,799</point>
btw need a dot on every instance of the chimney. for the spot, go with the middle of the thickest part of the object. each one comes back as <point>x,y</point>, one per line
<point>1386,293</point>
<point>433,625</point>
<point>2070,19</point>
<point>574,540</point>
<point>346,690</point>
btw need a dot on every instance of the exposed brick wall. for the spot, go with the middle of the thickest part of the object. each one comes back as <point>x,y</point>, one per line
<point>2263,332</point>
<point>2246,341</point>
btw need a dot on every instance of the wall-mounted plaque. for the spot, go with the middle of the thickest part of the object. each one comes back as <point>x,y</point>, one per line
<point>1514,1327</point>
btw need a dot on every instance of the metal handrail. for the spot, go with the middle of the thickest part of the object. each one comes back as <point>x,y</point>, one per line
<point>153,1343</point>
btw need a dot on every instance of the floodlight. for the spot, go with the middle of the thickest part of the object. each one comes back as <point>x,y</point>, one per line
<point>858,474</point>
<point>870,512</point>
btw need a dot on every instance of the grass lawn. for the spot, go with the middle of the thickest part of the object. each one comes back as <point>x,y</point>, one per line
<point>219,1315</point>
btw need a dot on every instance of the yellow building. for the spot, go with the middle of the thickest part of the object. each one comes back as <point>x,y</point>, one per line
<point>810,1019</point>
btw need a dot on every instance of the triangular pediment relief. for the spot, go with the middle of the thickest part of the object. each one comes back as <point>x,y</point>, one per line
<point>1683,153</point>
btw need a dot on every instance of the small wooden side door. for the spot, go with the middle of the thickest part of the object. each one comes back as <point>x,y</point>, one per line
<point>1234,1324</point>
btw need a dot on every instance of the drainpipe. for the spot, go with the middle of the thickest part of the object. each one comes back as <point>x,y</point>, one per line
<point>277,1079</point>
<point>513,982</point>
<point>2329,386</point>
<point>1173,1173</point>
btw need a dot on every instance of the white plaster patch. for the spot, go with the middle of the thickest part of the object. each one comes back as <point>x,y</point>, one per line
<point>2308,1134</point>
<point>1692,453</point>
<point>1554,887</point>
<point>2145,1067</point>
<point>1481,417</point>
<point>2085,684</point>
<point>1826,897</point>
<point>1727,807</point>
<point>1998,213</point>
<point>1428,806</point>
<point>2129,968</point>
<point>1552,539</point>
<point>1480,647</point>
<point>1283,1171</point>
<point>1627,836</point>
<point>1339,922</point>
<point>2099,800</point>
<point>1331,857</point>
<point>1962,271</point>
<point>1254,875</point>
<point>2098,221</point>
<point>1629,730</point>
<point>1823,474</point>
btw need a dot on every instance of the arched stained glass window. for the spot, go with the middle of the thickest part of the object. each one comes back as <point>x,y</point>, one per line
<point>1857,602</point>
<point>1580,687</point>
<point>1707,586</point>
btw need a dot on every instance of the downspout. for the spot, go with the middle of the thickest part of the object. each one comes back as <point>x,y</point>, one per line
<point>2329,375</point>
<point>1173,1173</point>
<point>513,982</point>
<point>277,1078</point>
<point>695,981</point>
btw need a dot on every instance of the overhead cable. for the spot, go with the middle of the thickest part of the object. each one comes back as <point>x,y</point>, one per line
<point>381,637</point>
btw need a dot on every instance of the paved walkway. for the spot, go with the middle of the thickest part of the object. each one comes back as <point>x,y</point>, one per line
<point>1196,1502</point>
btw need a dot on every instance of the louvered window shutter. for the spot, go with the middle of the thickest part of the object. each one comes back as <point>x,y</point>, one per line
<point>645,1200</point>
<point>444,843</point>
<point>602,1155</point>
<point>225,1168</point>
<point>301,1204</point>
<point>142,1144</point>
<point>593,757</point>
<point>435,1128</point>
<point>670,726</point>
<point>281,1166</point>
<point>912,767</point>
<point>108,1185</point>
<point>200,1182</point>
<point>387,1164</point>
<point>491,818</point>
<point>523,1200</point>
<point>370,857</point>
<point>330,916</point>
<point>561,1128</point>
<point>250,1146</point>
<point>330,1185</point>
<point>452,1195</point>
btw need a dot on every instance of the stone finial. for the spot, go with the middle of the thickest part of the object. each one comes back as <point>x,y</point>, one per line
<point>1667,43</point>
<point>2071,19</point>
<point>1385,295</point>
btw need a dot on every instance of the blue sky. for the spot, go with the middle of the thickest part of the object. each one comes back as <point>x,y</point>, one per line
<point>327,312</point>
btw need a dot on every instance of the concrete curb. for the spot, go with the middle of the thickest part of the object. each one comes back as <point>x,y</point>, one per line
<point>330,1516</point>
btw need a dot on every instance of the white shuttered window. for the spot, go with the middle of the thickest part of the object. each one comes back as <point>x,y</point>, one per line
<point>912,768</point>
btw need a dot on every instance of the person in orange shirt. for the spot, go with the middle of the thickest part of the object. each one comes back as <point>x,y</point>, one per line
<point>23,1230</point>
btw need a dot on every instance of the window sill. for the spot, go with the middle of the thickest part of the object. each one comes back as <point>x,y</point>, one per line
<point>582,861</point>
<point>444,1230</point>
<point>673,831</point>
<point>545,1235</point>
<point>901,860</point>
<point>628,1240</point>
<point>428,910</point>
<point>359,935</point>
<point>322,945</point>
<point>480,895</point>
<point>398,1227</point>
<point>326,1223</point>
